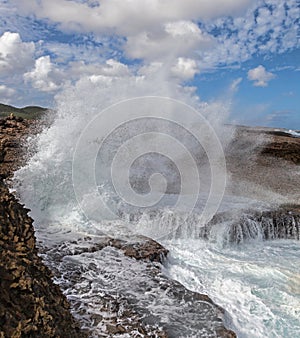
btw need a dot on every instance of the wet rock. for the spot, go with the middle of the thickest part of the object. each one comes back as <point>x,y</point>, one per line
<point>134,291</point>
<point>280,223</point>
<point>144,248</point>
<point>31,305</point>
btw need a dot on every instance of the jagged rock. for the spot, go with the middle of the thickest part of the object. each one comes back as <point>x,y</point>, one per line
<point>145,248</point>
<point>31,305</point>
<point>13,132</point>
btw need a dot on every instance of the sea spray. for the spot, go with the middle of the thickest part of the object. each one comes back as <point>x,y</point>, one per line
<point>46,184</point>
<point>211,263</point>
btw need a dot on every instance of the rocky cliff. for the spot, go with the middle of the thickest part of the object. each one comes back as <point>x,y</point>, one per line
<point>31,305</point>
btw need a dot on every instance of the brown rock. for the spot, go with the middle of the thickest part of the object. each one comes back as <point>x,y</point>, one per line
<point>31,305</point>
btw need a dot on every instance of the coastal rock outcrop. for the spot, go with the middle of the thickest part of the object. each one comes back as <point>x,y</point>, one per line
<point>281,223</point>
<point>282,145</point>
<point>137,298</point>
<point>13,131</point>
<point>263,164</point>
<point>31,305</point>
<point>132,295</point>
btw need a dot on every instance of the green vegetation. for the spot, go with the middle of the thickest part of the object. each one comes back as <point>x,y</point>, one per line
<point>30,112</point>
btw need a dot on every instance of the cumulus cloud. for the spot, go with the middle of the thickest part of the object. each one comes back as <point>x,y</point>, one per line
<point>44,76</point>
<point>231,30</point>
<point>185,69</point>
<point>47,77</point>
<point>174,39</point>
<point>16,56</point>
<point>153,29</point>
<point>260,76</point>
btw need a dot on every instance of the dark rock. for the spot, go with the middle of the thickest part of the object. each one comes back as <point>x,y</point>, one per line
<point>13,132</point>
<point>31,305</point>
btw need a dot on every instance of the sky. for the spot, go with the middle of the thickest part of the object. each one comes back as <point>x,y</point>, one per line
<point>245,52</point>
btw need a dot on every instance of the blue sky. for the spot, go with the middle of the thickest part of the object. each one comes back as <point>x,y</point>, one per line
<point>245,52</point>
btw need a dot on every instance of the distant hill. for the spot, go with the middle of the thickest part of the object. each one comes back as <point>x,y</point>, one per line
<point>30,112</point>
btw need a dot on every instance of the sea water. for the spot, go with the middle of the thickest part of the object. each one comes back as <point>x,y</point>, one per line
<point>258,283</point>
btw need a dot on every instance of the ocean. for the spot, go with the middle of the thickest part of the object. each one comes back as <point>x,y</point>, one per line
<point>153,167</point>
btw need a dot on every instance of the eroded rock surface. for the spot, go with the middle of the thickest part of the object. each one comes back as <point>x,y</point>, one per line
<point>118,286</point>
<point>31,305</point>
<point>13,131</point>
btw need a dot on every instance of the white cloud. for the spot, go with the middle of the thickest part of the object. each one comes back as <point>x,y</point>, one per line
<point>154,29</point>
<point>44,76</point>
<point>261,30</point>
<point>47,77</point>
<point>16,56</point>
<point>115,68</point>
<point>127,17</point>
<point>158,29</point>
<point>260,76</point>
<point>173,40</point>
<point>234,87</point>
<point>111,68</point>
<point>167,35</point>
<point>185,69</point>
<point>6,92</point>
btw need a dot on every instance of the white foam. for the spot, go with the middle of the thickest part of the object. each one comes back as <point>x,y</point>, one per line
<point>258,284</point>
<point>294,133</point>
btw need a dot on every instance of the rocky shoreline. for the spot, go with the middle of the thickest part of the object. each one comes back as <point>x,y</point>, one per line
<point>32,305</point>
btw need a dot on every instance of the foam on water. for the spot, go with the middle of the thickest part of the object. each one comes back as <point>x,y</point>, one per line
<point>294,133</point>
<point>257,283</point>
